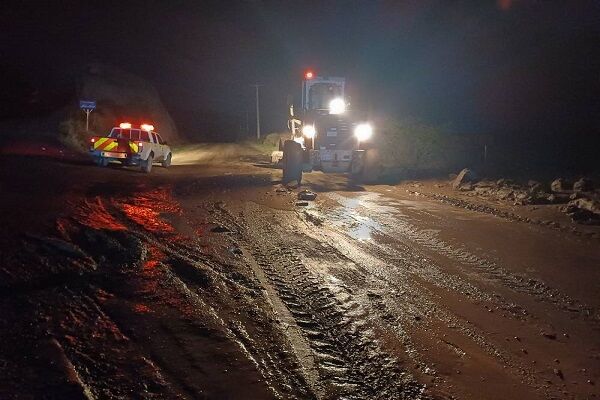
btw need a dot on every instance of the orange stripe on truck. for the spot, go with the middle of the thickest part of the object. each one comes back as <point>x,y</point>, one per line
<point>105,144</point>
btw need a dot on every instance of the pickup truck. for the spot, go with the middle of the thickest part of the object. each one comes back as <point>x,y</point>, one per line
<point>131,146</point>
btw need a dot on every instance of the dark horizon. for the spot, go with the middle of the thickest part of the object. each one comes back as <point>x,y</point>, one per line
<point>502,68</point>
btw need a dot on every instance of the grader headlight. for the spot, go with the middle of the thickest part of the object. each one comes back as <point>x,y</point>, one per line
<point>309,131</point>
<point>363,132</point>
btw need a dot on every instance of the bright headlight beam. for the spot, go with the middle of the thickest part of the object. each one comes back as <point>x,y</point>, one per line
<point>337,106</point>
<point>309,131</point>
<point>363,132</point>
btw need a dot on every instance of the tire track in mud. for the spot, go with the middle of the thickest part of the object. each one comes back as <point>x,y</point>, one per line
<point>119,257</point>
<point>417,298</point>
<point>195,273</point>
<point>348,360</point>
<point>406,261</point>
<point>389,222</point>
<point>417,301</point>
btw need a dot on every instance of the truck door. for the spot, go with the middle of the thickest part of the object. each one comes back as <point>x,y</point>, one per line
<point>161,145</point>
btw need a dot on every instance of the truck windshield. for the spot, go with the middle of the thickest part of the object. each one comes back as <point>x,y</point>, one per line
<point>321,94</point>
<point>115,132</point>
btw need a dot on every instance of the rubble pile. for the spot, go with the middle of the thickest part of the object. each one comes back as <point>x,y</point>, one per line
<point>580,198</point>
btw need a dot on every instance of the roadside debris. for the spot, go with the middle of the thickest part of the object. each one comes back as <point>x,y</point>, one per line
<point>236,250</point>
<point>583,185</point>
<point>583,210</point>
<point>464,177</point>
<point>302,203</point>
<point>558,185</point>
<point>307,195</point>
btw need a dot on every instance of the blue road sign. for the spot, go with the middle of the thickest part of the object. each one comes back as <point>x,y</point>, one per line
<point>87,104</point>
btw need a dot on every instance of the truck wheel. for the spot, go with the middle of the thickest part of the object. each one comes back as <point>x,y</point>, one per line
<point>292,162</point>
<point>167,161</point>
<point>147,164</point>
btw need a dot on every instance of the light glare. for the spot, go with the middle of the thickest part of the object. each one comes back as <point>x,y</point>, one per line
<point>363,132</point>
<point>309,131</point>
<point>337,106</point>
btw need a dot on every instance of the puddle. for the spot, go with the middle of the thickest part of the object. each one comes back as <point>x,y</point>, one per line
<point>351,215</point>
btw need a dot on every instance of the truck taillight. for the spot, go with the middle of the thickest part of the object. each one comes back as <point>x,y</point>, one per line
<point>140,146</point>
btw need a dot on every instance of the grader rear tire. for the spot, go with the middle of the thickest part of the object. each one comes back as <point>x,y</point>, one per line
<point>292,162</point>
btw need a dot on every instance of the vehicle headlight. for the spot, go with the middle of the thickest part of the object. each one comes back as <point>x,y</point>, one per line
<point>309,131</point>
<point>337,106</point>
<point>363,132</point>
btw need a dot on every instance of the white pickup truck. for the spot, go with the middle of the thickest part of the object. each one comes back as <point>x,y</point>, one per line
<point>131,146</point>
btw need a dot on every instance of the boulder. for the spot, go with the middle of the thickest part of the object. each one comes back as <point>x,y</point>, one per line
<point>307,195</point>
<point>465,176</point>
<point>465,187</point>
<point>583,185</point>
<point>558,198</point>
<point>587,204</point>
<point>559,185</point>
<point>584,211</point>
<point>535,188</point>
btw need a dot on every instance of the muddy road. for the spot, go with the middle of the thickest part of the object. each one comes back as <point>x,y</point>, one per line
<point>212,281</point>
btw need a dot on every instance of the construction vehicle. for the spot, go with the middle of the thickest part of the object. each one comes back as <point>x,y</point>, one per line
<point>326,136</point>
<point>131,146</point>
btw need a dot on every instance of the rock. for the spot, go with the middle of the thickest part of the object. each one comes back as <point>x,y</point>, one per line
<point>587,204</point>
<point>486,185</point>
<point>558,185</point>
<point>550,336</point>
<point>558,198</point>
<point>583,185</point>
<point>558,373</point>
<point>505,182</point>
<point>307,195</point>
<point>465,176</point>
<point>535,188</point>
<point>584,211</point>
<point>236,250</point>
<point>466,187</point>
<point>576,195</point>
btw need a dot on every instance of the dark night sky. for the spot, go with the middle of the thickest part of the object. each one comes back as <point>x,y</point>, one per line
<point>484,66</point>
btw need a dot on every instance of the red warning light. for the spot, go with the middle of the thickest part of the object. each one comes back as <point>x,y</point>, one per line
<point>309,75</point>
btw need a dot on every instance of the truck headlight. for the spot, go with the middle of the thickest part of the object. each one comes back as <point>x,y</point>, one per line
<point>309,131</point>
<point>337,106</point>
<point>363,132</point>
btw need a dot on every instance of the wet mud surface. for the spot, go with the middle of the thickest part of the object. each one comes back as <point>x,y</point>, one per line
<point>210,282</point>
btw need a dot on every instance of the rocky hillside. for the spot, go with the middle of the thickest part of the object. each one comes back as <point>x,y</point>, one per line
<point>120,96</point>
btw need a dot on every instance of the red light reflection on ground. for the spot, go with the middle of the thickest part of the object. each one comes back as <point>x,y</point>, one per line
<point>141,309</point>
<point>145,209</point>
<point>93,213</point>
